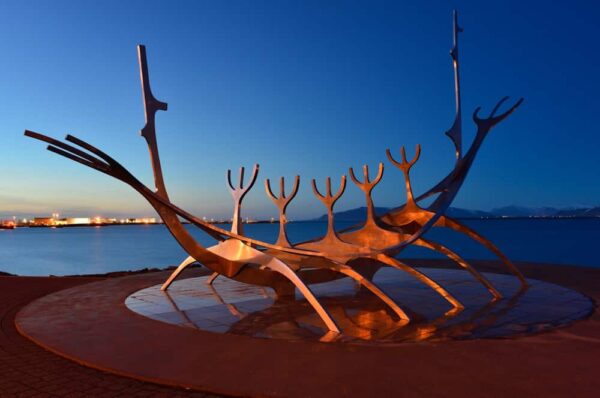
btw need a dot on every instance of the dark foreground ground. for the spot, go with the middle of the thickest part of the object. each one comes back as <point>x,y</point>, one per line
<point>563,362</point>
<point>27,370</point>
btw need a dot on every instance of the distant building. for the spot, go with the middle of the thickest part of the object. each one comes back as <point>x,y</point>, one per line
<point>77,221</point>
<point>149,220</point>
<point>81,221</point>
<point>7,224</point>
<point>43,221</point>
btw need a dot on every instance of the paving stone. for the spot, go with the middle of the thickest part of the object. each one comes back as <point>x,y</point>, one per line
<point>27,370</point>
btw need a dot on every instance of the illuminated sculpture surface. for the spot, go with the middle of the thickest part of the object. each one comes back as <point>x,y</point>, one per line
<point>356,252</point>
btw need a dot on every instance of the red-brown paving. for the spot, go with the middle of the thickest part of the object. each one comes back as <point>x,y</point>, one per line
<point>27,370</point>
<point>557,363</point>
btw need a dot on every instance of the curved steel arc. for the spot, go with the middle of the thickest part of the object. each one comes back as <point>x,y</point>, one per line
<point>457,259</point>
<point>395,263</point>
<point>235,249</point>
<point>412,213</point>
<point>457,226</point>
<point>346,270</point>
<point>184,264</point>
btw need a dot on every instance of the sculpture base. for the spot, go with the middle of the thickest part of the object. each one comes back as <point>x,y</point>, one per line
<point>232,307</point>
<point>91,325</point>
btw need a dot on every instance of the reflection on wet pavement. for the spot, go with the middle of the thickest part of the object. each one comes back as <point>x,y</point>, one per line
<point>237,308</point>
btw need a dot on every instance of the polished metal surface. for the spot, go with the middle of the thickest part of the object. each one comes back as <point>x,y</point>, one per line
<point>236,308</point>
<point>282,203</point>
<point>357,253</point>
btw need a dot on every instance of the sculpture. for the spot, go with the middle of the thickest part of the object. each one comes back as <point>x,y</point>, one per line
<point>355,253</point>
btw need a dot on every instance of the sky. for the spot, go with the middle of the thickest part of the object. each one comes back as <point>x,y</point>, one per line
<point>308,88</point>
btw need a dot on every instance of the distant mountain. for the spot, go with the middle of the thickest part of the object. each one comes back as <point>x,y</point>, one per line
<point>520,211</point>
<point>456,212</point>
<point>580,212</point>
<point>360,213</point>
<point>354,215</point>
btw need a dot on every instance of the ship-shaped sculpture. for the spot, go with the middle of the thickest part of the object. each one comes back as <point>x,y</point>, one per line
<point>355,253</point>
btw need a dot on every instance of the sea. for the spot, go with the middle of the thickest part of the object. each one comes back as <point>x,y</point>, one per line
<point>97,250</point>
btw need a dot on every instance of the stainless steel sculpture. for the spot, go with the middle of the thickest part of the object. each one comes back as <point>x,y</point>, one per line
<point>356,252</point>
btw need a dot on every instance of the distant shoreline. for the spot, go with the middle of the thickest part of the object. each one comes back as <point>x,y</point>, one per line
<point>503,218</point>
<point>128,224</point>
<point>490,218</point>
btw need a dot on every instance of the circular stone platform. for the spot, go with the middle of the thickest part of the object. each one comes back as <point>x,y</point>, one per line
<point>91,325</point>
<point>232,307</point>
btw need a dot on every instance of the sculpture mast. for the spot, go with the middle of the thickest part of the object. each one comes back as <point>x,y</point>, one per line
<point>151,106</point>
<point>455,132</point>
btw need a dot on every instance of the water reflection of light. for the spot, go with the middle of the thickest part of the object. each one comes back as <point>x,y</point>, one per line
<point>364,319</point>
<point>425,332</point>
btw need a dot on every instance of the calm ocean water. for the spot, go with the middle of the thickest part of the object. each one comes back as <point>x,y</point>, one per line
<point>67,251</point>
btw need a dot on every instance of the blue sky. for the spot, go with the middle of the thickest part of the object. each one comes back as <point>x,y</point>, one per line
<point>306,88</point>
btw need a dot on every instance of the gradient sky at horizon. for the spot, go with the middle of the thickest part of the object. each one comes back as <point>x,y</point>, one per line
<point>306,88</point>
